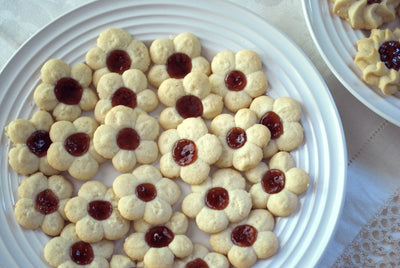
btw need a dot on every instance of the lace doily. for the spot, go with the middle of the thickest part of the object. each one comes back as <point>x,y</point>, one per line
<point>378,243</point>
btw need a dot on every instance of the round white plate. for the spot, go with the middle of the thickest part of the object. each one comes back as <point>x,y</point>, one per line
<point>220,26</point>
<point>337,43</point>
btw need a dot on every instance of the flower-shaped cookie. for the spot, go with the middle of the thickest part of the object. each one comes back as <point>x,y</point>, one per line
<point>218,201</point>
<point>127,137</point>
<point>67,250</point>
<point>121,261</point>
<point>282,117</point>
<point>276,188</point>
<point>129,89</point>
<point>242,139</point>
<point>366,14</point>
<point>188,151</point>
<point>31,139</point>
<point>202,257</point>
<point>42,202</point>
<point>237,78</point>
<point>190,97</point>
<point>72,148</point>
<point>116,52</point>
<point>158,245</point>
<point>249,240</point>
<point>378,58</point>
<point>175,58</point>
<point>146,195</point>
<point>65,91</point>
<point>95,213</point>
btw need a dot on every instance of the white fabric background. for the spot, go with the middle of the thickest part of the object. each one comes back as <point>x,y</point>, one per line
<point>372,142</point>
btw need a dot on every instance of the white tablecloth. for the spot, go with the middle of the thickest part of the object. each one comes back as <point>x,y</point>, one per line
<point>369,225</point>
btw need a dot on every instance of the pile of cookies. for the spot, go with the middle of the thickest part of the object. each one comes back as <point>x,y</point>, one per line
<point>378,55</point>
<point>207,124</point>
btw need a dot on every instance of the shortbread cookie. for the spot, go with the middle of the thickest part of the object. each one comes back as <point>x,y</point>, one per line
<point>366,14</point>
<point>282,117</point>
<point>67,250</point>
<point>158,245</point>
<point>146,195</point>
<point>218,201</point>
<point>95,213</point>
<point>175,58</point>
<point>249,240</point>
<point>242,139</point>
<point>31,140</point>
<point>188,151</point>
<point>276,187</point>
<point>116,52</point>
<point>65,91</point>
<point>202,257</point>
<point>237,78</point>
<point>129,89</point>
<point>127,137</point>
<point>190,97</point>
<point>378,59</point>
<point>72,148</point>
<point>41,202</point>
<point>121,261</point>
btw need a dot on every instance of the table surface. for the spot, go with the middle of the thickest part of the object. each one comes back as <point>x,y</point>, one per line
<point>369,228</point>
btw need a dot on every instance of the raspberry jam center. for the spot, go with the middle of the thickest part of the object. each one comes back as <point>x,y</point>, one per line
<point>146,192</point>
<point>179,65</point>
<point>390,54</point>
<point>274,123</point>
<point>235,80</point>
<point>273,181</point>
<point>184,152</point>
<point>77,144</point>
<point>244,235</point>
<point>81,253</point>
<point>68,91</point>
<point>236,138</point>
<point>159,236</point>
<point>100,210</point>
<point>46,202</point>
<point>118,61</point>
<point>217,198</point>
<point>197,263</point>
<point>189,106</point>
<point>128,139</point>
<point>124,96</point>
<point>39,142</point>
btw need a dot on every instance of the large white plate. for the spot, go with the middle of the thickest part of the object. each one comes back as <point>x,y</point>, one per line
<point>337,43</point>
<point>220,26</point>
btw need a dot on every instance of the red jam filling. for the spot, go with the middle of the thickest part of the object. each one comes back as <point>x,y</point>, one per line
<point>370,2</point>
<point>128,139</point>
<point>273,181</point>
<point>236,138</point>
<point>81,253</point>
<point>159,236</point>
<point>100,210</point>
<point>184,152</point>
<point>189,106</point>
<point>39,142</point>
<point>68,91</point>
<point>77,144</point>
<point>124,96</point>
<point>235,81</point>
<point>390,54</point>
<point>146,192</point>
<point>118,61</point>
<point>197,263</point>
<point>46,202</point>
<point>244,235</point>
<point>274,123</point>
<point>217,198</point>
<point>179,65</point>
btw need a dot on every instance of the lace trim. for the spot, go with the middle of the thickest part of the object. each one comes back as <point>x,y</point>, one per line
<point>378,243</point>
